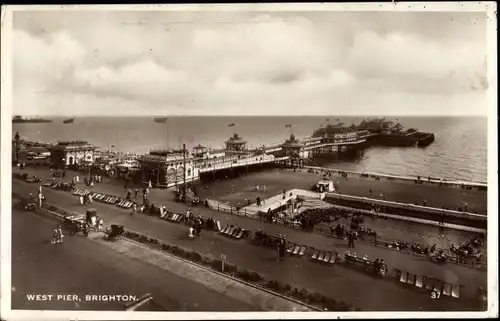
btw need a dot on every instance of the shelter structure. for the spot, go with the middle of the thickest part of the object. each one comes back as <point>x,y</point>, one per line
<point>72,153</point>
<point>167,168</point>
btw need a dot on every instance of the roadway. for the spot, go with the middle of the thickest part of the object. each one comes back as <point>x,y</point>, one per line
<point>329,281</point>
<point>80,266</point>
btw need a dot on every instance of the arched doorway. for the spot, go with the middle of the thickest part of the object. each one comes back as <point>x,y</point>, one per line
<point>71,160</point>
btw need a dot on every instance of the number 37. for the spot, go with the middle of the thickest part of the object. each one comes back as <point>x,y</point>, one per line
<point>435,295</point>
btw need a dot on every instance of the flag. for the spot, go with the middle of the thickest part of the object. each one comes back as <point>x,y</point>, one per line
<point>231,125</point>
<point>328,119</point>
<point>288,126</point>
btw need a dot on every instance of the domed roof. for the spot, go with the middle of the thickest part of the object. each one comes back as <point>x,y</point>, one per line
<point>292,142</point>
<point>236,140</point>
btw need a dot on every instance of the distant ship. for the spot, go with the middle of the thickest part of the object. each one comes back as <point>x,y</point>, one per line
<point>160,120</point>
<point>19,119</point>
<point>69,121</point>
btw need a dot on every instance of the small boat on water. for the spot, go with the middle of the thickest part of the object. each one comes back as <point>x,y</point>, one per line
<point>69,121</point>
<point>160,120</point>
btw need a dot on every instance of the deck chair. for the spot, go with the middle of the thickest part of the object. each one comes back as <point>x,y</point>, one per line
<point>447,289</point>
<point>224,229</point>
<point>315,255</point>
<point>119,204</point>
<point>419,282</point>
<point>296,250</point>
<point>455,291</point>
<point>429,284</point>
<point>240,234</point>
<point>217,223</point>
<point>174,217</point>
<point>230,230</point>
<point>404,277</point>
<point>327,257</point>
<point>438,286</point>
<point>321,256</point>
<point>411,279</point>
<point>333,258</point>
<point>302,250</point>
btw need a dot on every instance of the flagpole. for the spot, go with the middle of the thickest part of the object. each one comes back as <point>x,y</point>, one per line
<point>166,127</point>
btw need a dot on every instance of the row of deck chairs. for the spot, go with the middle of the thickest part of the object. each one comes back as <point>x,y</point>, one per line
<point>234,231</point>
<point>429,283</point>
<point>173,217</point>
<point>324,256</point>
<point>296,249</point>
<point>105,198</point>
<point>81,192</point>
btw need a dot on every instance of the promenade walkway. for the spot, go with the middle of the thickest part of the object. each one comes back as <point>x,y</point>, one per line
<point>398,230</point>
<point>327,280</point>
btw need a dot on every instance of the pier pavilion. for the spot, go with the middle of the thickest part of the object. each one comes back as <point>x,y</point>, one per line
<point>165,168</point>
<point>293,149</point>
<point>236,144</point>
<point>70,153</point>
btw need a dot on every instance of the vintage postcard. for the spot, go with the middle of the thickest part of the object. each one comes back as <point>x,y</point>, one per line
<point>249,161</point>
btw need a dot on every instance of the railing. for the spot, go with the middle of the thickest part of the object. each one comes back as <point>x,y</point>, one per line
<point>236,163</point>
<point>399,177</point>
<point>411,207</point>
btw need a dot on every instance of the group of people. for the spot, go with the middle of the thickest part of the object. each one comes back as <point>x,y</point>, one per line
<point>57,235</point>
<point>91,179</point>
<point>86,199</point>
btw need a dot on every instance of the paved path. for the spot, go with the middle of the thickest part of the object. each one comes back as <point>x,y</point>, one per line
<point>327,280</point>
<point>81,266</point>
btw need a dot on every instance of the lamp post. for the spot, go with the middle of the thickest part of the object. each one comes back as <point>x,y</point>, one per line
<point>16,138</point>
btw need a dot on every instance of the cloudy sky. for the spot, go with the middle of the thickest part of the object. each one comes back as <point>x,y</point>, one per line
<point>226,62</point>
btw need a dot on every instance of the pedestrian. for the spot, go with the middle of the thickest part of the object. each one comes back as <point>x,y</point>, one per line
<point>191,232</point>
<point>55,234</point>
<point>149,184</point>
<point>77,179</point>
<point>60,234</point>
<point>90,198</point>
<point>81,199</point>
<point>371,192</point>
<point>136,192</point>
<point>128,195</point>
<point>351,240</point>
<point>40,199</point>
<point>100,223</point>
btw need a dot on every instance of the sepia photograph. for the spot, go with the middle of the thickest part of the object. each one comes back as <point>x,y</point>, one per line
<point>249,161</point>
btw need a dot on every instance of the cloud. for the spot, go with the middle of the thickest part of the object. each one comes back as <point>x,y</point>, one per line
<point>263,64</point>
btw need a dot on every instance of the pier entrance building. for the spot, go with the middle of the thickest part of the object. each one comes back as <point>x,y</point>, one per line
<point>72,153</point>
<point>167,168</point>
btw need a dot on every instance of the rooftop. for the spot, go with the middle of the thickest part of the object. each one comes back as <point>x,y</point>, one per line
<point>236,140</point>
